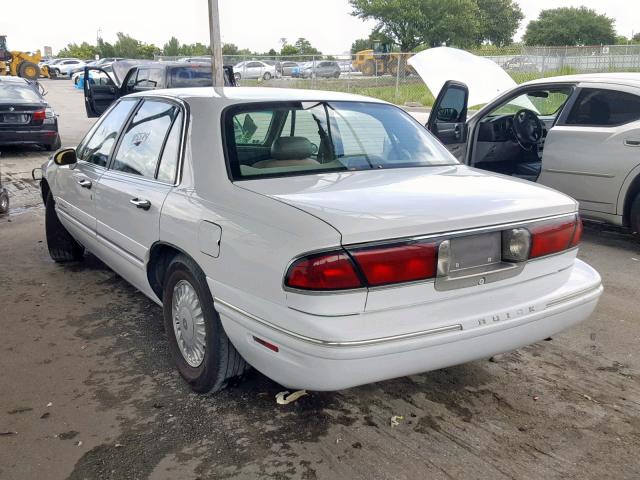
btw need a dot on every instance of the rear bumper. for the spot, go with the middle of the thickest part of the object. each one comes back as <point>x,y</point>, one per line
<point>28,137</point>
<point>329,364</point>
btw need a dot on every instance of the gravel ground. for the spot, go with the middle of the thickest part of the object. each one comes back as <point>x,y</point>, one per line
<point>88,391</point>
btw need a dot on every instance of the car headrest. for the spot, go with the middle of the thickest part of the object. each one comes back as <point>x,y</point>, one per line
<point>291,148</point>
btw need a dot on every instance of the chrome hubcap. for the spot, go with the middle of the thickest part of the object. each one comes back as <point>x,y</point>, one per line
<point>188,323</point>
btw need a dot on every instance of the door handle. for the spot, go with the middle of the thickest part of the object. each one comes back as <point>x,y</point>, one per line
<point>140,203</point>
<point>84,183</point>
<point>632,143</point>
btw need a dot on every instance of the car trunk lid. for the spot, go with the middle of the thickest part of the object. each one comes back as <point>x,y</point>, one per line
<point>374,205</point>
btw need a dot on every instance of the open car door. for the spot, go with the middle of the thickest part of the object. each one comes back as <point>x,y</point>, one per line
<point>448,118</point>
<point>100,91</point>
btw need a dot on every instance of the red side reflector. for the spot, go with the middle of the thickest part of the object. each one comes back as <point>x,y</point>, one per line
<point>39,115</point>
<point>326,271</point>
<point>397,264</point>
<point>264,343</point>
<point>551,238</point>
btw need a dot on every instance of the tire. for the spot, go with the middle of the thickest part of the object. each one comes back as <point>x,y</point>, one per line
<point>4,201</point>
<point>55,145</point>
<point>266,76</point>
<point>369,68</point>
<point>29,70</point>
<point>634,217</point>
<point>220,361</point>
<point>336,75</point>
<point>62,246</point>
<point>237,76</point>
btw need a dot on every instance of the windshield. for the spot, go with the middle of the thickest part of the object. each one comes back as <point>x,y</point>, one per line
<point>298,138</point>
<point>18,93</point>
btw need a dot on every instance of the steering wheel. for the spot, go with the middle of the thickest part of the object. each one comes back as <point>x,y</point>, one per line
<point>528,128</point>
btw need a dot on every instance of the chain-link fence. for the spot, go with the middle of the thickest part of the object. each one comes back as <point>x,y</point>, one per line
<point>389,76</point>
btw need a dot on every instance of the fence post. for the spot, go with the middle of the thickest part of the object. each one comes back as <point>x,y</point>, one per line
<point>398,78</point>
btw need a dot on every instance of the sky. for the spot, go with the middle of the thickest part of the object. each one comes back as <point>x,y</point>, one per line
<point>255,24</point>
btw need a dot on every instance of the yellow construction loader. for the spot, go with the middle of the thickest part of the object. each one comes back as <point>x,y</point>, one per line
<point>380,60</point>
<point>20,64</point>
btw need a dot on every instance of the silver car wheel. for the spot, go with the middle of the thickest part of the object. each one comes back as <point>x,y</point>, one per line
<point>188,323</point>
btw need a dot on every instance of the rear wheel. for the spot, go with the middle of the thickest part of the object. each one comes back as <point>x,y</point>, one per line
<point>62,246</point>
<point>634,218</point>
<point>237,76</point>
<point>203,353</point>
<point>29,70</point>
<point>4,201</point>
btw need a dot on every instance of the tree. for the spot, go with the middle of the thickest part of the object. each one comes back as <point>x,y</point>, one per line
<point>84,50</point>
<point>172,47</point>
<point>570,26</point>
<point>229,49</point>
<point>126,46</point>
<point>304,47</point>
<point>499,20</point>
<point>288,50</point>
<point>105,49</point>
<point>411,23</point>
<point>360,44</point>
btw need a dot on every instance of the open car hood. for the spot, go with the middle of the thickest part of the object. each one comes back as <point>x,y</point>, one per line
<point>485,78</point>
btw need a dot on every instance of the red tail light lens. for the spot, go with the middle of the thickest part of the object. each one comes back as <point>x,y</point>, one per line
<point>326,271</point>
<point>39,115</point>
<point>577,234</point>
<point>397,264</point>
<point>555,237</point>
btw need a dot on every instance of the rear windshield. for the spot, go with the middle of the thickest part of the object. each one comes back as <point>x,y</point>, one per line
<point>193,76</point>
<point>299,138</point>
<point>18,93</point>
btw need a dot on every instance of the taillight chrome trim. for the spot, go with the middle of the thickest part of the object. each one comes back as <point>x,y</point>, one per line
<point>459,233</point>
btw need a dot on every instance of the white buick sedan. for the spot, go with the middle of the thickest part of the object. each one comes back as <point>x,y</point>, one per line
<point>326,239</point>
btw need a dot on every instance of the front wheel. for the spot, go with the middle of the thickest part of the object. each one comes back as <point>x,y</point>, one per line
<point>4,201</point>
<point>634,219</point>
<point>266,76</point>
<point>62,246</point>
<point>203,353</point>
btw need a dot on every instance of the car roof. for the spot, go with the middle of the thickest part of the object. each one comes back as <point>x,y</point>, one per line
<point>258,94</point>
<point>620,78</point>
<point>13,80</point>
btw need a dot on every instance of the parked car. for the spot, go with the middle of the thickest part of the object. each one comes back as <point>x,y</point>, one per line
<point>99,76</point>
<point>65,67</point>
<point>288,67</point>
<point>521,64</point>
<point>318,69</point>
<point>26,118</point>
<point>128,76</point>
<point>579,134</point>
<point>326,239</point>
<point>254,69</point>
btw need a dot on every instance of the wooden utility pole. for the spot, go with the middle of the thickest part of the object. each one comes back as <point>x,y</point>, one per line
<point>216,45</point>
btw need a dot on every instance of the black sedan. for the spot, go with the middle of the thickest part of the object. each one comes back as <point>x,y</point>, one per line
<point>25,116</point>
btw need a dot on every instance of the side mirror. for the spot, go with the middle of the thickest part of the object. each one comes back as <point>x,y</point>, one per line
<point>66,156</point>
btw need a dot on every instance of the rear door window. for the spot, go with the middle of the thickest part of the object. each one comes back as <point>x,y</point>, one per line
<point>605,108</point>
<point>143,142</point>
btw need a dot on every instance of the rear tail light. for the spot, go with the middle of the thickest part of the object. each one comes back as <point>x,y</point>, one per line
<point>549,238</point>
<point>397,264</point>
<point>577,234</point>
<point>416,261</point>
<point>326,271</point>
<point>39,115</point>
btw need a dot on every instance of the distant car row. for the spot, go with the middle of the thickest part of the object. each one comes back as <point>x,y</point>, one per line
<point>268,69</point>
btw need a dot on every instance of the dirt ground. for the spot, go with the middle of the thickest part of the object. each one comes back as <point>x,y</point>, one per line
<point>87,389</point>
